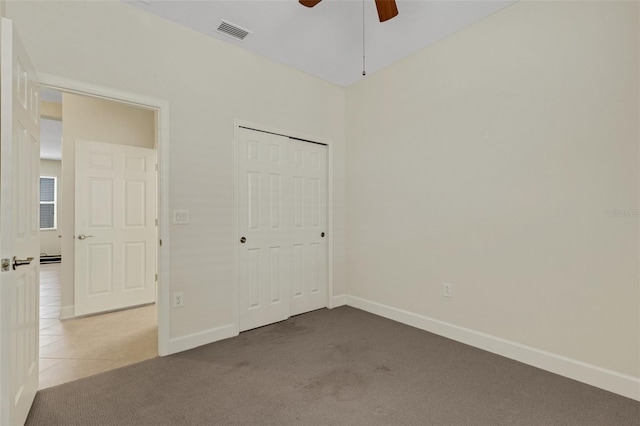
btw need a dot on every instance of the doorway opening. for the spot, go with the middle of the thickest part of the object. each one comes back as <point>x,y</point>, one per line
<point>99,235</point>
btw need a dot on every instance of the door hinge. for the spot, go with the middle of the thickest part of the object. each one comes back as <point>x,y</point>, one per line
<point>156,167</point>
<point>156,277</point>
<point>160,242</point>
<point>156,222</point>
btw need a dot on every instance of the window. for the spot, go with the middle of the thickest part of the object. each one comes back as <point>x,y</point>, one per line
<point>48,216</point>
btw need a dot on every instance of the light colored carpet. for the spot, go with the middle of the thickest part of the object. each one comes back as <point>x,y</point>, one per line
<point>331,367</point>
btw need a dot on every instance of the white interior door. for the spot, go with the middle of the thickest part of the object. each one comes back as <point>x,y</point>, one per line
<point>309,227</point>
<point>264,222</point>
<point>19,229</point>
<point>115,227</point>
<point>282,203</point>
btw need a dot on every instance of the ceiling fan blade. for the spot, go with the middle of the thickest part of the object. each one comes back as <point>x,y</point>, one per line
<point>387,9</point>
<point>309,3</point>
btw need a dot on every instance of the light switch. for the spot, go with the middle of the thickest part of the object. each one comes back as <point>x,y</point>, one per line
<point>180,217</point>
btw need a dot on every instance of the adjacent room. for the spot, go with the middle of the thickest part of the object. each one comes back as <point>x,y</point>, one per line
<point>85,330</point>
<point>368,212</point>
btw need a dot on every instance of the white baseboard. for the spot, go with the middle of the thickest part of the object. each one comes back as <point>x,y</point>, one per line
<point>609,380</point>
<point>194,340</point>
<point>339,300</point>
<point>67,312</point>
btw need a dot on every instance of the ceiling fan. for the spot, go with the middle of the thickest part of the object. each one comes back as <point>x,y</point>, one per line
<point>387,9</point>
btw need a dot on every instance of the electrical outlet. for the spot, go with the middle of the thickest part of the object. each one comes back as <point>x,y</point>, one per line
<point>447,290</point>
<point>178,299</point>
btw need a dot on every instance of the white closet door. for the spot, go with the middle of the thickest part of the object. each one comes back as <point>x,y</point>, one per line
<point>264,204</point>
<point>309,227</point>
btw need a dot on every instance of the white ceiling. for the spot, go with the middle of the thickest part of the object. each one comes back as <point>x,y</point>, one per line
<point>326,41</point>
<point>49,95</point>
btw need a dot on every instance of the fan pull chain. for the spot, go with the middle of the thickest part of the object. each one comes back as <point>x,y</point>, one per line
<point>364,72</point>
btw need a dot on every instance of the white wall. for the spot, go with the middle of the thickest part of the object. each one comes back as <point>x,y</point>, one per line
<point>98,120</point>
<point>489,161</point>
<point>50,240</point>
<point>208,84</point>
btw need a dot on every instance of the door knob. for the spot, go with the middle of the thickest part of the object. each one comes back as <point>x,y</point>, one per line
<point>84,237</point>
<point>243,240</point>
<point>21,262</point>
<point>322,234</point>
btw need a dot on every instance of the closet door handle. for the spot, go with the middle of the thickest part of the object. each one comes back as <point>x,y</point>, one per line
<point>243,240</point>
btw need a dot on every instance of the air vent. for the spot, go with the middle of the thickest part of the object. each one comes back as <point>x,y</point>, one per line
<point>232,30</point>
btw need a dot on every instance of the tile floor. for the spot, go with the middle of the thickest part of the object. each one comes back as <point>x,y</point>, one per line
<point>77,348</point>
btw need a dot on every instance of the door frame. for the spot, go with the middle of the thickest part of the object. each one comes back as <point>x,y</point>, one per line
<point>236,251</point>
<point>161,106</point>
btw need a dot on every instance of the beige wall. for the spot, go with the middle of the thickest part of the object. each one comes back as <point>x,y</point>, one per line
<point>106,121</point>
<point>50,241</point>
<point>489,161</point>
<point>208,84</point>
<point>96,120</point>
<point>51,110</point>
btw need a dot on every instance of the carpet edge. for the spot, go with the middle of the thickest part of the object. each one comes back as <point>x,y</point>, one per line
<point>612,381</point>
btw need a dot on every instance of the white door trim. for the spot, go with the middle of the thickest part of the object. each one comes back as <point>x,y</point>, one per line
<point>162,108</point>
<point>236,254</point>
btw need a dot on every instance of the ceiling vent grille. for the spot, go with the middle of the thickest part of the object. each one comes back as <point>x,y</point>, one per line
<point>232,30</point>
